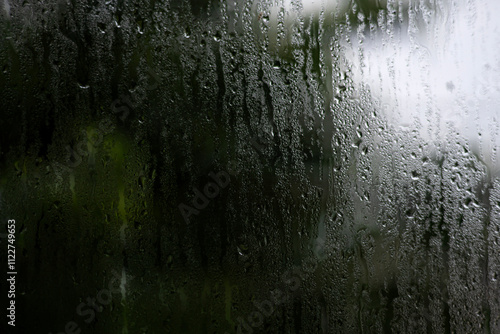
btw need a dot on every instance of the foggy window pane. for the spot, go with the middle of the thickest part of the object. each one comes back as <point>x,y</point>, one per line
<point>213,166</point>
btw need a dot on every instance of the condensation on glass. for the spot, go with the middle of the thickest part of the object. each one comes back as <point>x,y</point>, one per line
<point>254,166</point>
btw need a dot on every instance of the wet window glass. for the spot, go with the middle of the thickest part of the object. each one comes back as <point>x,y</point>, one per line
<point>250,166</point>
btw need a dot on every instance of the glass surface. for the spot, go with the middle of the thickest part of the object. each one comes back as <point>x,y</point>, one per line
<point>251,166</point>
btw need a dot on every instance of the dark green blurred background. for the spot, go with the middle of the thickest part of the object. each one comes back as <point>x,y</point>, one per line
<point>114,113</point>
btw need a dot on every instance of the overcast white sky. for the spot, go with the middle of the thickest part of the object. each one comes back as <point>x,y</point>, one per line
<point>444,73</point>
<point>441,68</point>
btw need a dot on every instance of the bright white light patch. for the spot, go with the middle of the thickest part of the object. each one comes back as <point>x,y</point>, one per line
<point>6,7</point>
<point>440,71</point>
